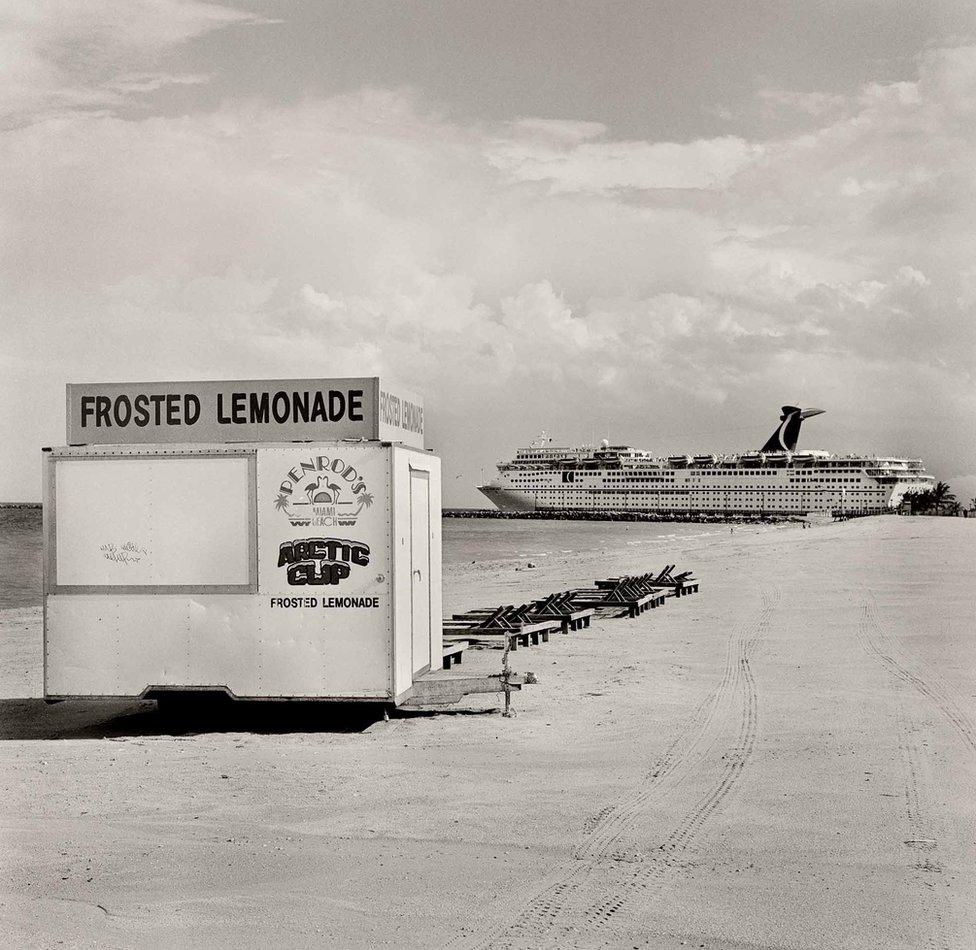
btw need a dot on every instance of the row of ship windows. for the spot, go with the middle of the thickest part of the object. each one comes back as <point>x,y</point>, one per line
<point>706,491</point>
<point>804,480</point>
<point>754,502</point>
<point>716,473</point>
<point>813,480</point>
<point>751,502</point>
<point>753,493</point>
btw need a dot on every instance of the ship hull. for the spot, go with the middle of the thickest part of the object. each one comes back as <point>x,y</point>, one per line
<point>506,499</point>
<point>777,498</point>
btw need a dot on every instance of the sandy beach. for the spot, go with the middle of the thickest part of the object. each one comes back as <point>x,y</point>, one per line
<point>786,760</point>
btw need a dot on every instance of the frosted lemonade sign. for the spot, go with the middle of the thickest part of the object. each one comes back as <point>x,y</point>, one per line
<point>265,410</point>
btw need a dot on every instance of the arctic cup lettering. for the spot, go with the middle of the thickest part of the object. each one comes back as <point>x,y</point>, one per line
<point>321,561</point>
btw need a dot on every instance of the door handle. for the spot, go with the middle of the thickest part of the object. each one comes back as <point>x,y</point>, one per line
<point>416,571</point>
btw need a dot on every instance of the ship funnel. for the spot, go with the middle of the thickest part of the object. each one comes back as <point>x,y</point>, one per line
<point>785,437</point>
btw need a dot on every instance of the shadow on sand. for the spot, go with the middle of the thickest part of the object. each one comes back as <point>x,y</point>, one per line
<point>109,719</point>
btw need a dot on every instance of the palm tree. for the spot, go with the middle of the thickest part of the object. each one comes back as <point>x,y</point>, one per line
<point>920,501</point>
<point>940,495</point>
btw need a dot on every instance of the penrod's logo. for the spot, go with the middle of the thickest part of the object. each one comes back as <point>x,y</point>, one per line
<point>318,561</point>
<point>324,491</point>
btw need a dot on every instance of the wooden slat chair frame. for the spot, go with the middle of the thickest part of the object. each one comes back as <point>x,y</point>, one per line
<point>558,606</point>
<point>487,639</point>
<point>681,585</point>
<point>488,617</point>
<point>619,597</point>
<point>507,616</point>
<point>498,621</point>
<point>636,596</point>
<point>452,653</point>
<point>553,609</point>
<point>646,584</point>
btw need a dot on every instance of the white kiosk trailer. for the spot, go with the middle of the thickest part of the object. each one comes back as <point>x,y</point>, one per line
<point>271,539</point>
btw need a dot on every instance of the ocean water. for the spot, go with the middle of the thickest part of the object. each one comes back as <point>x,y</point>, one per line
<point>465,540</point>
<point>497,539</point>
<point>21,551</point>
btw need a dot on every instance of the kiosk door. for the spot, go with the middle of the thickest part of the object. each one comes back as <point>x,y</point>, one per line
<point>420,568</point>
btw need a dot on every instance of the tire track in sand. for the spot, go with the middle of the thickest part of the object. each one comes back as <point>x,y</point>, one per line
<point>745,699</point>
<point>922,838</point>
<point>630,848</point>
<point>878,642</point>
<point>922,833</point>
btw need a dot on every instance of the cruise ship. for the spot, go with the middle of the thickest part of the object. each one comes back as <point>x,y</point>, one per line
<point>775,480</point>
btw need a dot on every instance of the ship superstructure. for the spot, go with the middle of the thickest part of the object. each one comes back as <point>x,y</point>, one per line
<point>777,479</point>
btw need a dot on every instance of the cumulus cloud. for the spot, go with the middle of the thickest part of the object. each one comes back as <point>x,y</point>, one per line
<point>576,163</point>
<point>535,273</point>
<point>150,82</point>
<point>63,55</point>
<point>787,103</point>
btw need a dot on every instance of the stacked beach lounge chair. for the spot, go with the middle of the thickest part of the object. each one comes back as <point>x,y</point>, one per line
<point>560,606</point>
<point>522,625</point>
<point>676,585</point>
<point>532,623</point>
<point>493,628</point>
<point>619,597</point>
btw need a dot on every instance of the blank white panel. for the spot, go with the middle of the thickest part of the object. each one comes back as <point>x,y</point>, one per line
<point>152,521</point>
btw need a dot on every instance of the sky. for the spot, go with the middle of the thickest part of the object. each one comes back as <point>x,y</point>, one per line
<point>654,222</point>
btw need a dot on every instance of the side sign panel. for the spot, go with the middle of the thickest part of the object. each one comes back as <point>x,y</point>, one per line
<point>324,568</point>
<point>401,416</point>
